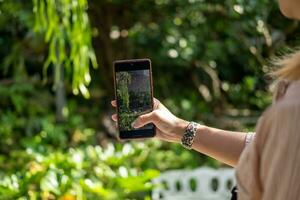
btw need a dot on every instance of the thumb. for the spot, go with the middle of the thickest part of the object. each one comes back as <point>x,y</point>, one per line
<point>142,120</point>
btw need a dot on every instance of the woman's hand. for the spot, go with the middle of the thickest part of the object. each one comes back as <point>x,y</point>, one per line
<point>168,127</point>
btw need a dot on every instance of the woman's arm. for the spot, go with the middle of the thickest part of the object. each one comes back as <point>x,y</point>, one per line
<point>225,146</point>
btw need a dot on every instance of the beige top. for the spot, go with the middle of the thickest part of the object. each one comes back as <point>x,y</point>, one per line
<point>269,167</point>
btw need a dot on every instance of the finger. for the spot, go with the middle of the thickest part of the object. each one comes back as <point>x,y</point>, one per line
<point>114,103</point>
<point>156,103</point>
<point>114,117</point>
<point>143,120</point>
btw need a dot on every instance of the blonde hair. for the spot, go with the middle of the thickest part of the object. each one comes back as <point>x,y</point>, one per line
<point>289,67</point>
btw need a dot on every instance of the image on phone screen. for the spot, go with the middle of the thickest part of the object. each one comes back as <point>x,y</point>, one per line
<point>133,90</point>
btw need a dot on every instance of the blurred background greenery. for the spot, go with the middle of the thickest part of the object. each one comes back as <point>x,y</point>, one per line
<point>57,141</point>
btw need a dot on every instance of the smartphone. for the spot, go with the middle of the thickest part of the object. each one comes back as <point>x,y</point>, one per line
<point>134,95</point>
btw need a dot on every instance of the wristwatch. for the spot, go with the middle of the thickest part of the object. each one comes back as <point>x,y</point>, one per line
<point>189,135</point>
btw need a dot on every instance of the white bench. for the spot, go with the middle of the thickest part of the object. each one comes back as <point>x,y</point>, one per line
<point>201,184</point>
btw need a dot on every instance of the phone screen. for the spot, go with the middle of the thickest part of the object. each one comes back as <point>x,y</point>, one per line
<point>134,97</point>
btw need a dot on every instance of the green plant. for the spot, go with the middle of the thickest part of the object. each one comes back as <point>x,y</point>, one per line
<point>208,60</point>
<point>66,27</point>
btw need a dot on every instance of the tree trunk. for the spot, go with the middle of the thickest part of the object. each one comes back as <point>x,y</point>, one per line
<point>60,96</point>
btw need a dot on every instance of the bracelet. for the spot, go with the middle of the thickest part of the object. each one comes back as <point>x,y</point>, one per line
<point>249,138</point>
<point>189,135</point>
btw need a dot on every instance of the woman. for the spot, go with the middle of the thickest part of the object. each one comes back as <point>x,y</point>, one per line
<point>269,168</point>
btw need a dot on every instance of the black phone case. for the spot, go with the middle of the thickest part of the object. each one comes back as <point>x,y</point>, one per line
<point>128,65</point>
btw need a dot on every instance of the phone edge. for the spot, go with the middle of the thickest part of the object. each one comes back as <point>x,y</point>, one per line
<point>115,92</point>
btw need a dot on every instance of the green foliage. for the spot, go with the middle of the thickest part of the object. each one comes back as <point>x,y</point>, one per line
<point>114,172</point>
<point>201,50</point>
<point>79,173</point>
<point>131,103</point>
<point>126,119</point>
<point>66,27</point>
<point>208,60</point>
<point>123,79</point>
<point>40,159</point>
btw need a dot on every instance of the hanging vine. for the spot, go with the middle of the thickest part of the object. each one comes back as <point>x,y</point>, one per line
<point>66,28</point>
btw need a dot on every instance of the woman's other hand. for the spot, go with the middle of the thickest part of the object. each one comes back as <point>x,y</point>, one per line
<point>168,127</point>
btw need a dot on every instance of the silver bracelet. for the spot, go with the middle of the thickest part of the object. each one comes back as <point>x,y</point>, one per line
<point>249,138</point>
<point>189,135</point>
